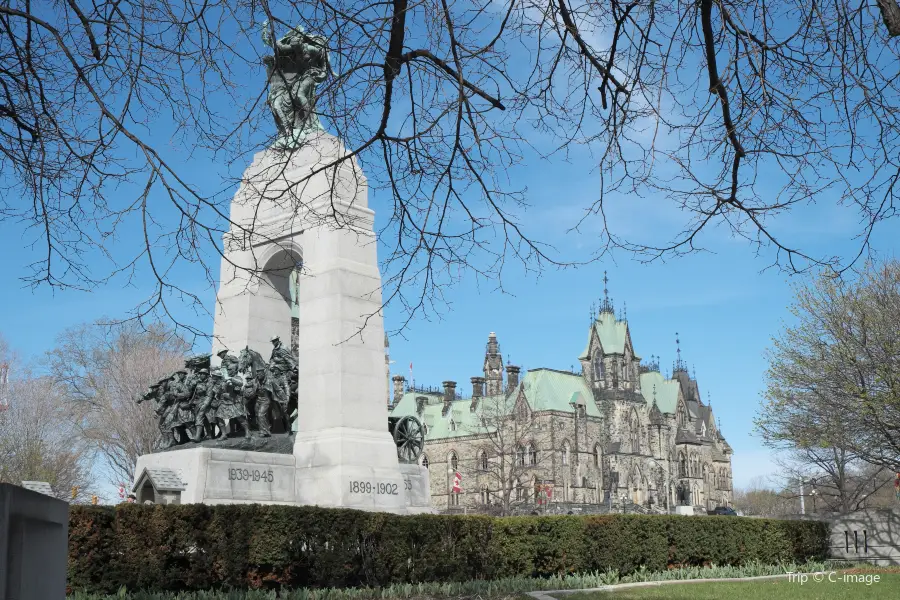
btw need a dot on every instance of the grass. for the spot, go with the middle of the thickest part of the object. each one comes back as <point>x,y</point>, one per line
<point>846,585</point>
<point>501,589</point>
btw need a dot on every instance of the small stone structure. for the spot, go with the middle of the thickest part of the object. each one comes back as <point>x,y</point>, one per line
<point>34,533</point>
<point>158,486</point>
<point>869,535</point>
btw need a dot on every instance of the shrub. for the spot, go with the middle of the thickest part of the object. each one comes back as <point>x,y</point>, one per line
<point>196,547</point>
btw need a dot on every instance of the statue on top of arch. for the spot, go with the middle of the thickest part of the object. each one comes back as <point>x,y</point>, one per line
<point>298,64</point>
<point>240,398</point>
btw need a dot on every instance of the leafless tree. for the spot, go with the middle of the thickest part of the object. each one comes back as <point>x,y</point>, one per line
<point>101,371</point>
<point>761,499</point>
<point>513,448</point>
<point>834,376</point>
<point>833,479</point>
<point>107,109</point>
<point>38,440</point>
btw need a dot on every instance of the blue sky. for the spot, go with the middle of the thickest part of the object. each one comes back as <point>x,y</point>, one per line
<point>724,304</point>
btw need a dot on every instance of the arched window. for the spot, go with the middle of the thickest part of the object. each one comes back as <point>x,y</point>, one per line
<point>454,461</point>
<point>482,460</point>
<point>683,465</point>
<point>615,373</point>
<point>634,432</point>
<point>565,453</point>
<point>520,456</point>
<point>519,490</point>
<point>599,370</point>
<point>452,425</point>
<point>485,496</point>
<point>532,454</point>
<point>597,455</point>
<point>424,461</point>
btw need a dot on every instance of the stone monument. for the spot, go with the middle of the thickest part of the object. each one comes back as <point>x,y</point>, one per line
<point>33,545</point>
<point>299,264</point>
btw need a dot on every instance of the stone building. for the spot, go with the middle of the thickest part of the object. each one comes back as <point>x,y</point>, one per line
<point>618,435</point>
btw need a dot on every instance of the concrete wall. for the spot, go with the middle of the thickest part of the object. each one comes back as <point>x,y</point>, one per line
<point>867,535</point>
<point>34,535</point>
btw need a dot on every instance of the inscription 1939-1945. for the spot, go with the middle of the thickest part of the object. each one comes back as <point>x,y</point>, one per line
<point>251,475</point>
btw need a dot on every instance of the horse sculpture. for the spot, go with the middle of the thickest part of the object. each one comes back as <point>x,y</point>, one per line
<point>262,391</point>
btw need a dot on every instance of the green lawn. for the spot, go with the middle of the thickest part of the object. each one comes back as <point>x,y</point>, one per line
<point>887,588</point>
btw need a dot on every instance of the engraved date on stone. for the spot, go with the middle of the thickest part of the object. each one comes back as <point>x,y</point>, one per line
<point>379,488</point>
<point>251,475</point>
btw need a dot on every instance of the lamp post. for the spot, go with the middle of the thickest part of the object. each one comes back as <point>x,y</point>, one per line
<point>624,506</point>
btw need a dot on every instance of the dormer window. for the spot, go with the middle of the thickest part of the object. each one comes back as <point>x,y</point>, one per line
<point>452,425</point>
<point>703,429</point>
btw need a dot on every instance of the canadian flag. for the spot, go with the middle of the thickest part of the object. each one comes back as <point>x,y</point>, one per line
<point>457,483</point>
<point>121,490</point>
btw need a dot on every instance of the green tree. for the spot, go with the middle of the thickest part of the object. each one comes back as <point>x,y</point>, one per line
<point>833,392</point>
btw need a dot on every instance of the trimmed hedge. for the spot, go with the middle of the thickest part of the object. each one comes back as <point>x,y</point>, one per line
<point>194,547</point>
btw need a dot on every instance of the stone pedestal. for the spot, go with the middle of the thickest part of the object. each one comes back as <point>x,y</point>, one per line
<point>684,510</point>
<point>221,476</point>
<point>34,538</point>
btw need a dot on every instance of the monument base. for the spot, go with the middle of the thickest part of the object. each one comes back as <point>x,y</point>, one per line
<point>224,476</point>
<point>684,510</point>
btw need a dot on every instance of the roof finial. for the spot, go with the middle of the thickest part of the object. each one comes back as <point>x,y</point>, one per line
<point>625,311</point>
<point>679,364</point>
<point>606,306</point>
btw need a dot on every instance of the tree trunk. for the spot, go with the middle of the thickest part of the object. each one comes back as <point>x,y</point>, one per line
<point>890,13</point>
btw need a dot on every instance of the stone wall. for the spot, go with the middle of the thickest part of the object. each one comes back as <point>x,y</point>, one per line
<point>867,535</point>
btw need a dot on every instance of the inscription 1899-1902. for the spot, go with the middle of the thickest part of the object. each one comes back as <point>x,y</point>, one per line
<point>380,488</point>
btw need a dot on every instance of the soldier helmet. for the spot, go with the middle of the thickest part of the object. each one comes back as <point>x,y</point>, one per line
<point>275,339</point>
<point>217,375</point>
<point>222,353</point>
<point>181,372</point>
<point>204,371</point>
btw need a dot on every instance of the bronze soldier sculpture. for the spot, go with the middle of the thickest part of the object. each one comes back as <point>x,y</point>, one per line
<point>282,365</point>
<point>231,398</point>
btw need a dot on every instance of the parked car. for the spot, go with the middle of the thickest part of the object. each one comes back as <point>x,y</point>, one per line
<point>723,510</point>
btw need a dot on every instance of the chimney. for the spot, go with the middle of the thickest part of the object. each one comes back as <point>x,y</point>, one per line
<point>449,395</point>
<point>399,385</point>
<point>477,392</point>
<point>512,377</point>
<point>420,404</point>
<point>477,387</point>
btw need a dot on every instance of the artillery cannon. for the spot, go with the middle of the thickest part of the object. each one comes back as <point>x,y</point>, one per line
<point>409,436</point>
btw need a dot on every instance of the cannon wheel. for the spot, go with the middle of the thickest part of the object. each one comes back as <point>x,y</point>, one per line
<point>409,435</point>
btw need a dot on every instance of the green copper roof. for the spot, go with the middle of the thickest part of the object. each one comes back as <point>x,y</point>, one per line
<point>612,334</point>
<point>666,391</point>
<point>545,389</point>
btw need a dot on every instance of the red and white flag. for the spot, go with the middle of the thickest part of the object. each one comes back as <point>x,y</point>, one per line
<point>121,490</point>
<point>457,483</point>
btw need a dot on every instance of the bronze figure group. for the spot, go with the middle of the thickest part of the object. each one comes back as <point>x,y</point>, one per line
<point>241,395</point>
